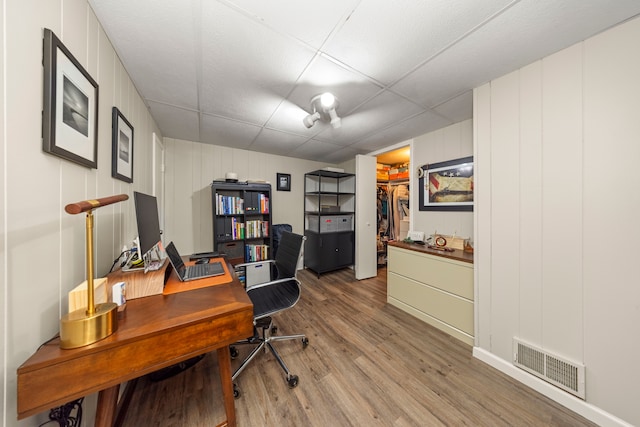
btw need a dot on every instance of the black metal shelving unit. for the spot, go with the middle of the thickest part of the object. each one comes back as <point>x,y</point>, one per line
<point>329,220</point>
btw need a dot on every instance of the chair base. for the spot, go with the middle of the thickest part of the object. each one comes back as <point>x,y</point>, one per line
<point>264,342</point>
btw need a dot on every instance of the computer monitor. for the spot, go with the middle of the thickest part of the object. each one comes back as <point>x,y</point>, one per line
<point>149,235</point>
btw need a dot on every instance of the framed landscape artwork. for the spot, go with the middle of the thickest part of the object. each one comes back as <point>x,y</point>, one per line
<point>122,147</point>
<point>70,107</point>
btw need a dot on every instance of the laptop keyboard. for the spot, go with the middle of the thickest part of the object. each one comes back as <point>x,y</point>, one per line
<point>198,270</point>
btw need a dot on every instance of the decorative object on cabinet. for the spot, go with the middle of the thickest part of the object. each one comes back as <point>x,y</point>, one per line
<point>329,213</point>
<point>122,147</point>
<point>284,182</point>
<point>447,186</point>
<point>95,321</point>
<point>242,220</point>
<point>70,108</point>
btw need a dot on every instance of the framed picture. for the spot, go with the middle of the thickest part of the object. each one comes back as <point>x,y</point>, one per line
<point>447,186</point>
<point>122,147</point>
<point>284,182</point>
<point>70,115</point>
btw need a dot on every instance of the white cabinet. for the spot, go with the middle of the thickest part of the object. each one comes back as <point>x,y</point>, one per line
<point>436,289</point>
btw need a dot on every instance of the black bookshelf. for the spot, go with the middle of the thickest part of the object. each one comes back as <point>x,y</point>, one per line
<point>242,220</point>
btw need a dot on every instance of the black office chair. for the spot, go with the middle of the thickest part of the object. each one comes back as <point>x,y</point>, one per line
<point>271,294</point>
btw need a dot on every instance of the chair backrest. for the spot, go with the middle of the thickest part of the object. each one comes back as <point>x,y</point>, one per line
<point>277,230</point>
<point>288,254</point>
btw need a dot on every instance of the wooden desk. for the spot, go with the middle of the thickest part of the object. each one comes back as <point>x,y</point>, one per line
<point>153,332</point>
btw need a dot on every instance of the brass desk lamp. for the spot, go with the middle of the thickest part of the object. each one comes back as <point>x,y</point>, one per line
<point>86,326</point>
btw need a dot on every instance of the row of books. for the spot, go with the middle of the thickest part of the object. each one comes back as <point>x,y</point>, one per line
<point>256,228</point>
<point>248,230</point>
<point>229,205</point>
<point>256,253</point>
<point>235,205</point>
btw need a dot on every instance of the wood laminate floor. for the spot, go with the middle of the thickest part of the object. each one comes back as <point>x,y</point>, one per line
<point>367,364</point>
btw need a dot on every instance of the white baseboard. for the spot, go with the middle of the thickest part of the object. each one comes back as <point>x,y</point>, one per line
<point>591,412</point>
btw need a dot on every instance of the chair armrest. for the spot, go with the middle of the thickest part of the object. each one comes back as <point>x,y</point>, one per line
<point>274,282</point>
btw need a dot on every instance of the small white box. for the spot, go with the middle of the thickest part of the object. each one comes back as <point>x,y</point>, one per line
<point>118,292</point>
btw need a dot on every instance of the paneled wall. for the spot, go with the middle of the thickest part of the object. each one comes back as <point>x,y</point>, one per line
<point>556,149</point>
<point>189,169</point>
<point>42,251</point>
<point>451,142</point>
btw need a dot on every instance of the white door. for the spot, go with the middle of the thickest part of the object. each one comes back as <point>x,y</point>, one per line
<point>366,264</point>
<point>158,177</point>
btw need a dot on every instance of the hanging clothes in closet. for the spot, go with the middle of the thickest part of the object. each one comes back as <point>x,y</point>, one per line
<point>398,208</point>
<point>382,201</point>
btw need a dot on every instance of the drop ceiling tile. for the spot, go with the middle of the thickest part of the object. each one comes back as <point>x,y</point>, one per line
<point>314,149</point>
<point>296,20</point>
<point>280,143</point>
<point>228,133</point>
<point>407,129</point>
<point>386,40</point>
<point>165,69</point>
<point>457,109</point>
<point>497,48</point>
<point>246,67</point>
<point>338,156</point>
<point>176,122</point>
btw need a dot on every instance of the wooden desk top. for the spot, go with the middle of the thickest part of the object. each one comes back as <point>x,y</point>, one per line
<point>153,332</point>
<point>457,254</point>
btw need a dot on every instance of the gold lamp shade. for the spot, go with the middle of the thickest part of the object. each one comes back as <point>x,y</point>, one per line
<point>86,326</point>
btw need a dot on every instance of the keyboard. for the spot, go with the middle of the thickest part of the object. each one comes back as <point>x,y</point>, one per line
<point>199,270</point>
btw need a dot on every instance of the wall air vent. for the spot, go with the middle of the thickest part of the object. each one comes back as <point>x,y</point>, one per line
<point>556,370</point>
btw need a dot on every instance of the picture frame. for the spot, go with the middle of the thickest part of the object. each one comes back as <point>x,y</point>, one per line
<point>447,186</point>
<point>70,107</point>
<point>283,181</point>
<point>121,147</point>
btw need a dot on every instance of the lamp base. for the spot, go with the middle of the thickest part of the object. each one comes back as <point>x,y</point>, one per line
<point>78,329</point>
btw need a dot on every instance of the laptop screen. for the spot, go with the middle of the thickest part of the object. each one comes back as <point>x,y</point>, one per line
<point>174,257</point>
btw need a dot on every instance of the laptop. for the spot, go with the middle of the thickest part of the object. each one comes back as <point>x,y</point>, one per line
<point>192,272</point>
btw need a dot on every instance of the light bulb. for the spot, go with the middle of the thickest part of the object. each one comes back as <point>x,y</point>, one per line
<point>335,120</point>
<point>327,100</point>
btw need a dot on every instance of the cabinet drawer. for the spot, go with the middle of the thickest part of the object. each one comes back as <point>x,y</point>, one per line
<point>442,273</point>
<point>449,309</point>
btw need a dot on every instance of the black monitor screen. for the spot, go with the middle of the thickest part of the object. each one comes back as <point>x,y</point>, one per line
<point>148,222</point>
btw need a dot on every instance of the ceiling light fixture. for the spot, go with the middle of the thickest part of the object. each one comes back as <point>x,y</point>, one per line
<point>324,107</point>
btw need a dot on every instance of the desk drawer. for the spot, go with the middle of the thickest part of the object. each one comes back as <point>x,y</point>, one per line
<point>442,273</point>
<point>447,308</point>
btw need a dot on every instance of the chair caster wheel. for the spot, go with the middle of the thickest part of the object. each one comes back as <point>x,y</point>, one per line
<point>305,342</point>
<point>233,352</point>
<point>274,330</point>
<point>292,381</point>
<point>236,392</point>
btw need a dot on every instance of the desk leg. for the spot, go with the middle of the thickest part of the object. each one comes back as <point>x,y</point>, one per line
<point>224,365</point>
<point>107,404</point>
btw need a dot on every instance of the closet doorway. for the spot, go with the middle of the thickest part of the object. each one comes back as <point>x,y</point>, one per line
<point>392,198</point>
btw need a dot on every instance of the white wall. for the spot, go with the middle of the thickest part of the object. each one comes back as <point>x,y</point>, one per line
<point>42,252</point>
<point>451,142</point>
<point>556,150</point>
<point>190,167</point>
